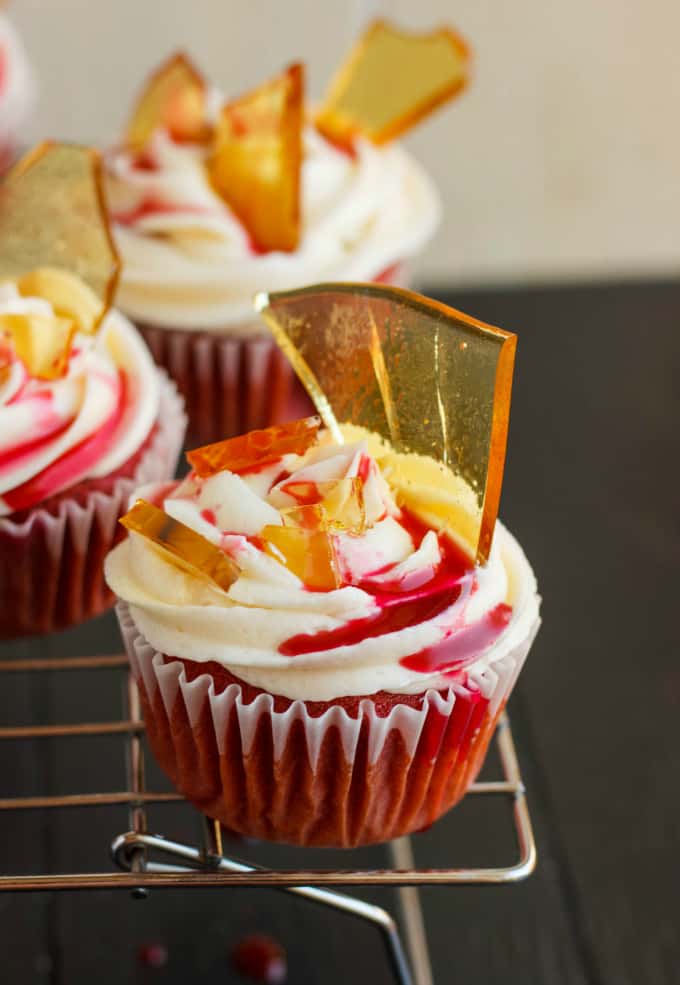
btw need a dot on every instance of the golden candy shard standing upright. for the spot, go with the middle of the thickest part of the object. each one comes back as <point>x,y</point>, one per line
<point>432,381</point>
<point>257,158</point>
<point>173,99</point>
<point>391,80</point>
<point>54,225</point>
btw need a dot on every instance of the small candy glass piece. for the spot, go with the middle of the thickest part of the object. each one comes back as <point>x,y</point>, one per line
<point>309,517</point>
<point>181,545</point>
<point>256,448</point>
<point>343,502</point>
<point>257,160</point>
<point>41,342</point>
<point>304,547</point>
<point>173,99</point>
<point>390,81</point>
<point>69,296</point>
<point>430,380</point>
<point>52,215</point>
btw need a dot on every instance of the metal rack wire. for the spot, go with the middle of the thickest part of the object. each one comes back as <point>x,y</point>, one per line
<point>142,857</point>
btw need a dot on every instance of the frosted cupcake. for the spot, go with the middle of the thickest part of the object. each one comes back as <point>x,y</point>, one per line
<point>213,201</point>
<point>85,415</point>
<point>17,92</point>
<point>325,630</point>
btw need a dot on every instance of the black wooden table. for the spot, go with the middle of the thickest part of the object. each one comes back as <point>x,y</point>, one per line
<point>591,490</point>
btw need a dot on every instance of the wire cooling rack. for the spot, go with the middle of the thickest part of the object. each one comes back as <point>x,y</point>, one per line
<point>146,860</point>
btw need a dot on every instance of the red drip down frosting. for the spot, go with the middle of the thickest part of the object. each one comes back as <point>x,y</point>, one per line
<point>401,609</point>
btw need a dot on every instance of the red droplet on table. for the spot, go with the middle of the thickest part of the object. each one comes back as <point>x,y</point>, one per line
<point>260,958</point>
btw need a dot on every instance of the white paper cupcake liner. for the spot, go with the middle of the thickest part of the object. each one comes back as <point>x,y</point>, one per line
<point>361,779</point>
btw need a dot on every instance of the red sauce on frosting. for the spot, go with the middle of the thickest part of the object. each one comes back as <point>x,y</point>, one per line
<point>14,457</point>
<point>77,461</point>
<point>463,646</point>
<point>154,206</point>
<point>399,608</point>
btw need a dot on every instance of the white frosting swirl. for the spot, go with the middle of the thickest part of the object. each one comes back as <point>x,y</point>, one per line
<point>188,262</point>
<point>246,628</point>
<point>85,424</point>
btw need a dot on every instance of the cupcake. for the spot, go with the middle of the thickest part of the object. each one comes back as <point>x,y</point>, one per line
<point>325,625</point>
<point>17,92</point>
<point>85,415</point>
<point>212,201</point>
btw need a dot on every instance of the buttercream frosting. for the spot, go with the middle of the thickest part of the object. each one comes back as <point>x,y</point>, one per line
<point>412,611</point>
<point>84,424</point>
<point>189,263</point>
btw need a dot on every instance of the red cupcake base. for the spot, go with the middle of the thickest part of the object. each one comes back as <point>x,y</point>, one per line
<point>353,771</point>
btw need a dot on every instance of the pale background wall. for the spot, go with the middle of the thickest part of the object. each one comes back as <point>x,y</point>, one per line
<point>562,160</point>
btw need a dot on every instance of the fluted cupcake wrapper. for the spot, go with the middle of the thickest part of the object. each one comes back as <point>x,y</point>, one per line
<point>330,779</point>
<point>231,382</point>
<point>233,379</point>
<point>51,562</point>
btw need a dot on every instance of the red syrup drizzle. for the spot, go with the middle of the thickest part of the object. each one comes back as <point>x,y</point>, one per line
<point>155,206</point>
<point>399,609</point>
<point>73,464</point>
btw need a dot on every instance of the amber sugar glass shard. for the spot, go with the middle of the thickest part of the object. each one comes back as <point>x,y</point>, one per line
<point>69,296</point>
<point>311,517</point>
<point>308,553</point>
<point>255,448</point>
<point>181,545</point>
<point>427,378</point>
<point>343,502</point>
<point>53,215</point>
<point>172,99</point>
<point>42,342</point>
<point>390,81</point>
<point>257,158</point>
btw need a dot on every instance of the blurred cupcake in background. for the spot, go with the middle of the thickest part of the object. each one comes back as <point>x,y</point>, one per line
<point>17,92</point>
<point>212,201</point>
<point>85,415</point>
<point>326,624</point>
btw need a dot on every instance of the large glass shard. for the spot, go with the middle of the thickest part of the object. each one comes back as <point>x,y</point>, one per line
<point>41,342</point>
<point>172,99</point>
<point>53,215</point>
<point>390,81</point>
<point>255,449</point>
<point>256,162</point>
<point>430,380</point>
<point>181,545</point>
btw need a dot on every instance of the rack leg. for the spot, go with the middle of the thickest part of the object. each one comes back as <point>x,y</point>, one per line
<point>401,851</point>
<point>124,848</point>
<point>136,783</point>
<point>213,856</point>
